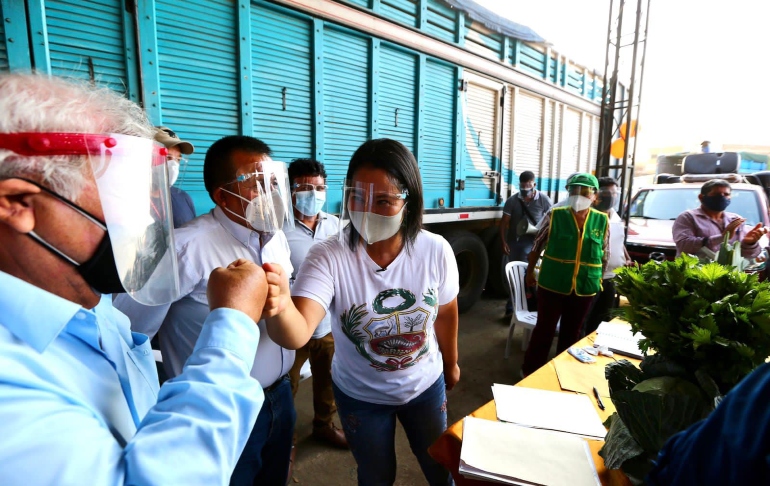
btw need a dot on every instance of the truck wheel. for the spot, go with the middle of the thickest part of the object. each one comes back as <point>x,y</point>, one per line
<point>472,264</point>
<point>496,285</point>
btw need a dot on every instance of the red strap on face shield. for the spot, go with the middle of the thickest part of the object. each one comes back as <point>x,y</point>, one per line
<point>33,144</point>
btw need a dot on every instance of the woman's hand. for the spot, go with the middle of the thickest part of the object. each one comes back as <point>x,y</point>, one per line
<point>530,279</point>
<point>451,375</point>
<point>278,293</point>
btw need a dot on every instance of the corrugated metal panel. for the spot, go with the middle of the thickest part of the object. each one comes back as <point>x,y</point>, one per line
<point>3,52</point>
<point>441,20</point>
<point>569,162</point>
<point>481,150</point>
<point>594,149</point>
<point>281,44</point>
<point>361,3</point>
<point>436,160</point>
<point>481,40</point>
<point>85,36</point>
<point>404,11</point>
<point>585,141</point>
<point>528,133</point>
<point>345,96</point>
<point>396,95</point>
<point>507,168</point>
<point>553,70</point>
<point>531,60</point>
<point>574,80</point>
<point>198,79</point>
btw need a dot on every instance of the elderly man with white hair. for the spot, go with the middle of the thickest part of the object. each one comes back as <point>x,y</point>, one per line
<point>84,213</point>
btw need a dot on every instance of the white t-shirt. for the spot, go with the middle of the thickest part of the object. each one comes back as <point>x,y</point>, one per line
<point>382,321</point>
<point>300,240</point>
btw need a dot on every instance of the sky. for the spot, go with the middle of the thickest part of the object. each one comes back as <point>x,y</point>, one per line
<point>707,71</point>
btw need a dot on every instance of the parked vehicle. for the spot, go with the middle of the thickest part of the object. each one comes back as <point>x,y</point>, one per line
<point>476,105</point>
<point>654,207</point>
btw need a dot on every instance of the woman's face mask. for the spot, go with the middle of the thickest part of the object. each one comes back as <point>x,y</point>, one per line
<point>377,227</point>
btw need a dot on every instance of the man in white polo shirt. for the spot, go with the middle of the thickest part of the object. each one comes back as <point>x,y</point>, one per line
<point>252,201</point>
<point>307,179</point>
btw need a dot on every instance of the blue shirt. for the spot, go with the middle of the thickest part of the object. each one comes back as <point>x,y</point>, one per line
<point>207,242</point>
<point>731,446</point>
<point>80,403</point>
<point>182,206</point>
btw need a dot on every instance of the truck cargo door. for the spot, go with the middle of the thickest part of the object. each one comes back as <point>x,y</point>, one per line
<point>527,136</point>
<point>480,166</point>
<point>281,53</point>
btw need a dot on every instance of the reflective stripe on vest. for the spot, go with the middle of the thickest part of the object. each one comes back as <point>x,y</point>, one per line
<point>560,270</point>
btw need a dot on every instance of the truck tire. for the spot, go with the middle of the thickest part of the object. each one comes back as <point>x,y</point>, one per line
<point>472,264</point>
<point>496,285</point>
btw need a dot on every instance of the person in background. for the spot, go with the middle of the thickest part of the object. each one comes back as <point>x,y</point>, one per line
<point>307,180</point>
<point>575,240</point>
<point>391,290</point>
<point>521,211</point>
<point>79,390</point>
<point>705,147</point>
<point>604,301</point>
<point>705,227</point>
<point>246,222</point>
<point>730,446</point>
<point>182,205</point>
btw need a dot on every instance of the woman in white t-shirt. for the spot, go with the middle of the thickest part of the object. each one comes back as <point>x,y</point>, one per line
<point>391,290</point>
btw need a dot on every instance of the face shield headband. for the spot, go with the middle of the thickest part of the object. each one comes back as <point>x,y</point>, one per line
<point>132,182</point>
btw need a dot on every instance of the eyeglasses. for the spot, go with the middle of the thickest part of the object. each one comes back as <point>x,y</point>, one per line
<point>384,203</point>
<point>581,191</point>
<point>310,187</point>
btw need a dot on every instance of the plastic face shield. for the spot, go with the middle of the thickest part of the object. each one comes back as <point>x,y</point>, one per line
<point>364,205</point>
<point>264,189</point>
<point>132,181</point>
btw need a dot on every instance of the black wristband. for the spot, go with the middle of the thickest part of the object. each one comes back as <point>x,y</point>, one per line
<point>705,241</point>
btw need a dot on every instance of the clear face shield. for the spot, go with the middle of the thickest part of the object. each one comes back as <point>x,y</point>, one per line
<point>377,213</point>
<point>132,181</point>
<point>263,190</point>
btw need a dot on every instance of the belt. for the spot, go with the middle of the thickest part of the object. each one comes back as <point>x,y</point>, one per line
<point>277,382</point>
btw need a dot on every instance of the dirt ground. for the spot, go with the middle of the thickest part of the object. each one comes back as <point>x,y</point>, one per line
<point>482,337</point>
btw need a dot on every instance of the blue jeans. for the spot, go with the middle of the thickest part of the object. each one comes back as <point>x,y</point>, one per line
<point>370,429</point>
<point>270,442</point>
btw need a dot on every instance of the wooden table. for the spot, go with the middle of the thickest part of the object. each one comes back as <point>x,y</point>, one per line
<point>446,450</point>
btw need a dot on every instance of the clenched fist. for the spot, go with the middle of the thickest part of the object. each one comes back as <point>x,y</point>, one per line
<point>241,286</point>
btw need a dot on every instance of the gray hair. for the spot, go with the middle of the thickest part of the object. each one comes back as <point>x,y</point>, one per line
<point>706,188</point>
<point>38,103</point>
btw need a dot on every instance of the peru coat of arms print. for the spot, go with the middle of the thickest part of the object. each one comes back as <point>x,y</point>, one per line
<point>396,337</point>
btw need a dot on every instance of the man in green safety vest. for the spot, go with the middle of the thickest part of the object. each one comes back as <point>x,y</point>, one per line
<point>573,240</point>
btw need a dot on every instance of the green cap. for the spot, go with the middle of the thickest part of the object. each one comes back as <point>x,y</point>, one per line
<point>583,179</point>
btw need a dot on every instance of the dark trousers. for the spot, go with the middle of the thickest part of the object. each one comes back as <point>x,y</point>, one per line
<point>601,308</point>
<point>265,459</point>
<point>551,306</point>
<point>320,352</point>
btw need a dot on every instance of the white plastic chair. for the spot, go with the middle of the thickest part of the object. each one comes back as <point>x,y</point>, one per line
<point>515,272</point>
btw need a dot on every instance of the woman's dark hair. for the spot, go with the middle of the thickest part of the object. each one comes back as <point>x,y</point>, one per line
<point>399,163</point>
<point>218,169</point>
<point>305,168</point>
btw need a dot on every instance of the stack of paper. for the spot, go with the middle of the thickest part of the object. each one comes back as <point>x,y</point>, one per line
<point>619,339</point>
<point>550,410</point>
<point>507,453</point>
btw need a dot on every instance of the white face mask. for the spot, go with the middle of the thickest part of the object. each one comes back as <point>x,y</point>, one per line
<point>378,227</point>
<point>173,172</point>
<point>579,203</point>
<point>259,213</point>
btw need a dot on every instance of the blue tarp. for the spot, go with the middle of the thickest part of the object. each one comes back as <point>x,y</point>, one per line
<point>495,22</point>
